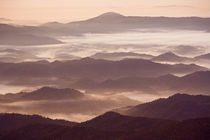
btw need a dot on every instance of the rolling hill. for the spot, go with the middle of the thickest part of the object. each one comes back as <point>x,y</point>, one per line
<point>94,69</point>
<point>113,126</point>
<point>194,83</point>
<point>44,93</point>
<point>176,107</point>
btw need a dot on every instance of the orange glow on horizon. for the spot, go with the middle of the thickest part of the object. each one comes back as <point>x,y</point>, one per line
<point>69,10</point>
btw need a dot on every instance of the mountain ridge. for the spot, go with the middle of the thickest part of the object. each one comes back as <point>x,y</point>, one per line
<point>185,107</point>
<point>93,68</point>
<point>138,128</point>
<point>44,93</point>
<point>112,23</point>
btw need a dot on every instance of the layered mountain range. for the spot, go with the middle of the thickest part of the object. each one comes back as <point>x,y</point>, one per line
<point>112,125</point>
<point>194,83</point>
<point>94,68</point>
<point>103,83</point>
<point>164,57</point>
<point>176,107</point>
<point>105,23</point>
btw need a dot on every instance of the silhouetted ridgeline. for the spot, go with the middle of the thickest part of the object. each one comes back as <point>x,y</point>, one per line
<point>44,93</point>
<point>176,107</point>
<point>120,56</point>
<point>105,23</point>
<point>94,68</point>
<point>14,121</point>
<point>194,83</point>
<point>110,126</point>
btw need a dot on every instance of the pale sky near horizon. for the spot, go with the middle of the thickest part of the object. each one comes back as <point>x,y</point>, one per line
<point>69,10</point>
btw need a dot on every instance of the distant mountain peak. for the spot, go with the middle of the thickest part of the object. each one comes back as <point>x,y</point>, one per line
<point>111,114</point>
<point>204,56</point>
<point>169,76</point>
<point>111,14</point>
<point>107,17</point>
<point>45,90</point>
<point>51,93</point>
<point>180,95</point>
<point>52,24</point>
<point>198,75</point>
<point>169,54</point>
<point>88,59</point>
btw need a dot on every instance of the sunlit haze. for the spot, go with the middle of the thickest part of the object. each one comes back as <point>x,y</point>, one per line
<point>69,10</point>
<point>109,69</point>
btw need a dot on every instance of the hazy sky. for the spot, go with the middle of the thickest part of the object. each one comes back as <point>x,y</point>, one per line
<point>67,10</point>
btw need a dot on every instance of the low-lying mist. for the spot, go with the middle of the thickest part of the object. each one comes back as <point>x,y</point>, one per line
<point>104,97</point>
<point>73,110</point>
<point>152,42</point>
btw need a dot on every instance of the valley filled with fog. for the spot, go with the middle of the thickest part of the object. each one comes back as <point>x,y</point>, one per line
<point>154,42</point>
<point>104,70</point>
<point>113,67</point>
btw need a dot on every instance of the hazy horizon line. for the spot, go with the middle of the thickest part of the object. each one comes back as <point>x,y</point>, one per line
<point>36,22</point>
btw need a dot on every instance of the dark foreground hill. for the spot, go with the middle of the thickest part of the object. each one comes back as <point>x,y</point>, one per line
<point>176,107</point>
<point>112,126</point>
<point>14,121</point>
